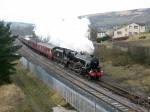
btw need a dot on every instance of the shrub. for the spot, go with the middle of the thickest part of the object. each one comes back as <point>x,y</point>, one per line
<point>142,37</point>
<point>138,54</point>
<point>114,55</point>
<point>120,58</point>
<point>107,37</point>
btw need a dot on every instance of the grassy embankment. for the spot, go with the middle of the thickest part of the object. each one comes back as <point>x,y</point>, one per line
<point>142,36</point>
<point>131,72</point>
<point>27,94</point>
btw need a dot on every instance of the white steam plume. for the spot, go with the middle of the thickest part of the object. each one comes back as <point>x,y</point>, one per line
<point>67,33</point>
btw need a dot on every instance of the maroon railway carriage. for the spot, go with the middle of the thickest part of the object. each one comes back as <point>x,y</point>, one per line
<point>45,49</point>
<point>42,48</point>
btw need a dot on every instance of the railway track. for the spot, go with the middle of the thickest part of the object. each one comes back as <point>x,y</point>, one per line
<point>140,100</point>
<point>106,83</point>
<point>113,87</point>
<point>86,86</point>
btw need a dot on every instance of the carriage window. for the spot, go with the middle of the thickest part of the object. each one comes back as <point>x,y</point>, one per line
<point>135,27</point>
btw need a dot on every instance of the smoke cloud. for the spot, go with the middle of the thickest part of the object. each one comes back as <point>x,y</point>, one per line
<point>69,33</point>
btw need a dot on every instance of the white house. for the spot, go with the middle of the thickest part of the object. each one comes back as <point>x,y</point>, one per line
<point>131,29</point>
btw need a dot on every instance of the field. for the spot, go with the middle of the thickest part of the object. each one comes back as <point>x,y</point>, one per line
<point>135,78</point>
<point>130,72</point>
<point>11,97</point>
<point>27,94</point>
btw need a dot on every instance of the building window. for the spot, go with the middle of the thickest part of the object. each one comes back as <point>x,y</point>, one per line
<point>142,27</point>
<point>130,33</point>
<point>135,27</point>
<point>119,32</point>
<point>130,27</point>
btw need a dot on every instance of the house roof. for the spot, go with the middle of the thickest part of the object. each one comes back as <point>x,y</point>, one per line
<point>141,24</point>
<point>120,27</point>
<point>101,31</point>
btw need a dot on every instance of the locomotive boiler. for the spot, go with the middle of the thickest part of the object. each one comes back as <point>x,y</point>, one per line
<point>80,62</point>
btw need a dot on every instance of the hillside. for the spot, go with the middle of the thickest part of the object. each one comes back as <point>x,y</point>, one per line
<point>109,20</point>
<point>21,28</point>
<point>11,96</point>
<point>26,93</point>
<point>129,69</point>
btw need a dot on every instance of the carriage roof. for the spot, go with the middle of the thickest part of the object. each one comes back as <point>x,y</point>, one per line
<point>48,45</point>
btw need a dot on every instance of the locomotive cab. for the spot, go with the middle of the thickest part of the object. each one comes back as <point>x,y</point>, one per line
<point>59,55</point>
<point>85,68</point>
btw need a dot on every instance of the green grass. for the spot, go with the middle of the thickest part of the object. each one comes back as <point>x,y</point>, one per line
<point>38,97</point>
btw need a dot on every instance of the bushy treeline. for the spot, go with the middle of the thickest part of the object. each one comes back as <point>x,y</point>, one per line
<point>119,57</point>
<point>99,40</point>
<point>140,54</point>
<point>8,54</point>
<point>22,28</point>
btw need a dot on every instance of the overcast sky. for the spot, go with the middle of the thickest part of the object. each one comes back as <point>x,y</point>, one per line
<point>33,10</point>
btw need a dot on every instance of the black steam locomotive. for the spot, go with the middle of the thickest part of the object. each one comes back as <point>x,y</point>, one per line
<point>79,62</point>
